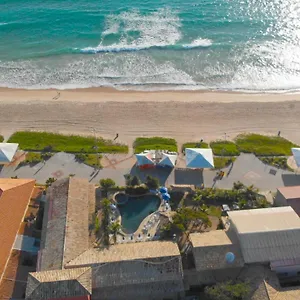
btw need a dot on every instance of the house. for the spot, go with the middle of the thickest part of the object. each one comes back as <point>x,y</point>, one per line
<point>69,266</point>
<point>209,252</point>
<point>7,152</point>
<point>288,196</point>
<point>15,195</point>
<point>268,236</point>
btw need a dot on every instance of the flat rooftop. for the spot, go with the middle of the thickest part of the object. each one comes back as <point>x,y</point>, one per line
<point>123,252</point>
<point>290,192</point>
<point>265,219</point>
<point>210,239</point>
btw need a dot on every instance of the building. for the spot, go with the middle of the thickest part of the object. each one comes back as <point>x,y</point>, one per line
<point>14,199</point>
<point>209,253</point>
<point>288,196</point>
<point>69,267</point>
<point>267,235</point>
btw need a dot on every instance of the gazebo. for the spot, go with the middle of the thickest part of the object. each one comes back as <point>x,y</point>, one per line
<point>144,160</point>
<point>168,160</point>
<point>296,154</point>
<point>199,158</point>
<point>7,152</point>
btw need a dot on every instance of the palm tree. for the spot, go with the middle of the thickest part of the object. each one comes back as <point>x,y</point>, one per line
<point>115,229</point>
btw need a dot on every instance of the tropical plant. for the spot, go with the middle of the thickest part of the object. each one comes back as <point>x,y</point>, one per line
<point>97,225</point>
<point>106,210</point>
<point>228,291</point>
<point>152,182</point>
<point>135,181</point>
<point>115,228</point>
<point>106,184</point>
<point>49,181</point>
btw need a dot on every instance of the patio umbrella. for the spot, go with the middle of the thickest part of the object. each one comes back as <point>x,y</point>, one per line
<point>166,196</point>
<point>163,190</point>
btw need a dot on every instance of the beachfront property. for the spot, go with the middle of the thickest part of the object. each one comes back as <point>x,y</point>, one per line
<point>288,196</point>
<point>69,265</point>
<point>15,195</point>
<point>156,158</point>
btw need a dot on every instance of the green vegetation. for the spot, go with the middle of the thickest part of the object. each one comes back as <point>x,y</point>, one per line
<point>115,229</point>
<point>97,225</point>
<point>1,138</point>
<point>53,142</point>
<point>89,159</point>
<point>247,197</point>
<point>262,145</point>
<point>106,184</point>
<point>224,148</point>
<point>152,183</point>
<point>194,145</point>
<point>228,291</point>
<point>278,162</point>
<point>176,198</point>
<point>154,143</point>
<point>222,162</point>
<point>214,211</point>
<point>106,210</point>
<point>36,157</point>
<point>49,181</point>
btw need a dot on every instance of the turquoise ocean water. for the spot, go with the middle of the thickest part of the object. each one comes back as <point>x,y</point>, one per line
<point>248,45</point>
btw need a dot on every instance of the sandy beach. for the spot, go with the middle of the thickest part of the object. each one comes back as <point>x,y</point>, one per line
<point>186,116</point>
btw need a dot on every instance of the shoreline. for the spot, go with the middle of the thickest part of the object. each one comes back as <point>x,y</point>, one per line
<point>104,94</point>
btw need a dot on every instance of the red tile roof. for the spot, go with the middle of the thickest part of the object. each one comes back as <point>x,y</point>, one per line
<point>14,200</point>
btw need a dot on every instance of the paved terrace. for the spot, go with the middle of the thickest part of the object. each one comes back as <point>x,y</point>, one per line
<point>247,168</point>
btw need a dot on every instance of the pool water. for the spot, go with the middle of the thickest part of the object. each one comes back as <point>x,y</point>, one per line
<point>136,209</point>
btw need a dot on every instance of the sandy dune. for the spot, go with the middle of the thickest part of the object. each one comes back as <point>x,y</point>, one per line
<point>185,116</point>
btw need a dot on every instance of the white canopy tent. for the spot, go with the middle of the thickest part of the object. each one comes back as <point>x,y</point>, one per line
<point>198,158</point>
<point>7,152</point>
<point>168,160</point>
<point>144,159</point>
<point>296,154</point>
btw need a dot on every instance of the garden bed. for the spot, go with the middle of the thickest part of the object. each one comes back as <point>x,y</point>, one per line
<point>53,142</point>
<point>223,162</point>
<point>278,162</point>
<point>224,148</point>
<point>194,145</point>
<point>154,143</point>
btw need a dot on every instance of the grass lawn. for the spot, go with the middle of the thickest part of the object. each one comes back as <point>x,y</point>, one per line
<point>194,145</point>
<point>154,143</point>
<point>225,148</point>
<point>262,145</point>
<point>214,211</point>
<point>279,162</point>
<point>1,138</point>
<point>45,141</point>
<point>222,162</point>
<point>91,159</point>
<point>33,158</point>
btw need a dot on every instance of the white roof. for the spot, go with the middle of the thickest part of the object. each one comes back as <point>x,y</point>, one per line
<point>267,234</point>
<point>199,158</point>
<point>7,152</point>
<point>296,153</point>
<point>264,219</point>
<point>144,159</point>
<point>168,160</point>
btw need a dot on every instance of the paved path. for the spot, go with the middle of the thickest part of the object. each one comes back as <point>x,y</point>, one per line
<point>250,170</point>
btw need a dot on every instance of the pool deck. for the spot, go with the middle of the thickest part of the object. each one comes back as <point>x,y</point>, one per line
<point>142,234</point>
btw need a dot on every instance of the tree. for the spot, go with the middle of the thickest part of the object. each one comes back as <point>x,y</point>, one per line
<point>152,182</point>
<point>49,181</point>
<point>135,181</point>
<point>106,184</point>
<point>106,210</point>
<point>228,291</point>
<point>115,229</point>
<point>262,203</point>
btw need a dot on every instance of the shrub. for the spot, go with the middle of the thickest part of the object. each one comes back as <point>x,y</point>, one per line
<point>106,184</point>
<point>137,190</point>
<point>154,143</point>
<point>224,148</point>
<point>33,158</point>
<point>1,138</point>
<point>135,181</point>
<point>228,291</point>
<point>262,145</point>
<point>53,142</point>
<point>194,145</point>
<point>152,182</point>
<point>278,162</point>
<point>97,225</point>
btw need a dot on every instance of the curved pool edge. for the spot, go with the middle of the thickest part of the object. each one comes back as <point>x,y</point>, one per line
<point>119,219</point>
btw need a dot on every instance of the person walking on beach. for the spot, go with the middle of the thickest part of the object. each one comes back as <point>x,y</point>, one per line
<point>57,96</point>
<point>117,135</point>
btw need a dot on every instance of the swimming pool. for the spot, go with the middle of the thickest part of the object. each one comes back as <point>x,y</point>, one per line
<point>135,210</point>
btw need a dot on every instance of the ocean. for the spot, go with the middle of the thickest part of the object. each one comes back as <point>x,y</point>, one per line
<point>226,45</point>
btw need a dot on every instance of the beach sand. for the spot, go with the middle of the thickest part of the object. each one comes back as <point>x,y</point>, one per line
<point>185,116</point>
